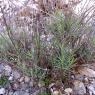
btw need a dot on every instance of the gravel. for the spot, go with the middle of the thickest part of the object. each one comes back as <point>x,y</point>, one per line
<point>20,93</point>
<point>19,84</point>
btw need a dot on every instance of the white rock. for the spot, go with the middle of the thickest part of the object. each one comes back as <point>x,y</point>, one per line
<point>8,70</point>
<point>90,93</point>
<point>86,80</point>
<point>91,89</point>
<point>52,84</point>
<point>1,68</point>
<point>2,91</point>
<point>56,93</point>
<point>68,91</point>
<point>10,78</point>
<point>27,79</point>
<point>43,36</point>
<point>93,82</point>
<point>79,88</point>
<point>31,83</point>
<point>21,79</point>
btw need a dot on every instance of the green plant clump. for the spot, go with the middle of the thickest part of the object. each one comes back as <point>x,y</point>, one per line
<point>44,93</point>
<point>3,81</point>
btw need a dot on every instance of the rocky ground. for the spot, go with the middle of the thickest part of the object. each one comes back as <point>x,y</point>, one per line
<point>13,82</point>
<point>82,81</point>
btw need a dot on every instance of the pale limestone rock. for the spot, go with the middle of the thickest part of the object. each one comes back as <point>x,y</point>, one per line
<point>79,88</point>
<point>26,79</point>
<point>8,70</point>
<point>68,91</point>
<point>2,91</point>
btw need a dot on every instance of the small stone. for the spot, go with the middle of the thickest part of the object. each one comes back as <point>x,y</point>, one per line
<point>2,91</point>
<point>16,74</point>
<point>10,93</point>
<point>86,80</point>
<point>27,79</point>
<point>91,89</point>
<point>51,85</point>
<point>56,93</point>
<point>8,70</point>
<point>10,78</point>
<point>27,90</point>
<point>90,93</point>
<point>79,88</point>
<point>93,82</point>
<point>1,68</point>
<point>21,93</point>
<point>68,91</point>
<point>21,79</point>
<point>41,84</point>
<point>31,84</point>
